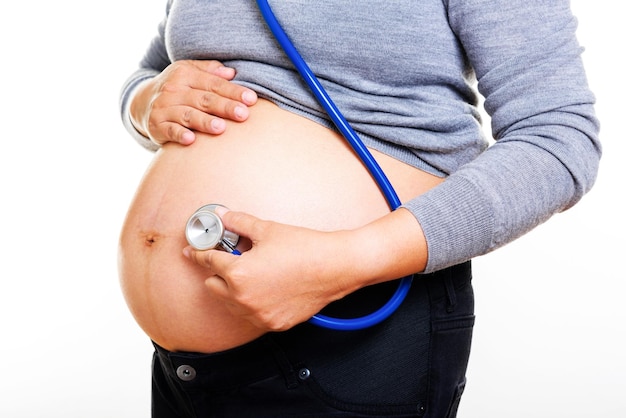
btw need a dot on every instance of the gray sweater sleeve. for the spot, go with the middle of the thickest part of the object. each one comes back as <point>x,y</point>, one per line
<point>546,155</point>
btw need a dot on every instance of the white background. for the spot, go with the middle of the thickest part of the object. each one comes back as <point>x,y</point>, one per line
<point>550,307</point>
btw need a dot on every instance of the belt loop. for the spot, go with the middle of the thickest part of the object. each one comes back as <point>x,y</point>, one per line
<point>283,362</point>
<point>450,292</point>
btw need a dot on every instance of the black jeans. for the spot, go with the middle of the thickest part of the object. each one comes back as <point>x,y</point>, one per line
<point>411,365</point>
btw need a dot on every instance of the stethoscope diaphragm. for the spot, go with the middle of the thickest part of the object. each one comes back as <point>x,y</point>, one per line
<point>205,231</point>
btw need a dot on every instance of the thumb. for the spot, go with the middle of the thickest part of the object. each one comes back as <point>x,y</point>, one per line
<point>240,223</point>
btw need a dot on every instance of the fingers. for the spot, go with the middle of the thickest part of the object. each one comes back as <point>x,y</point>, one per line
<point>203,111</point>
<point>240,223</point>
<point>213,93</point>
<point>217,261</point>
<point>218,102</point>
<point>214,67</point>
<point>190,97</point>
<point>179,124</point>
<point>223,87</point>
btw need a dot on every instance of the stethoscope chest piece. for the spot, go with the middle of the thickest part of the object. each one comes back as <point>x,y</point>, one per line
<point>205,231</point>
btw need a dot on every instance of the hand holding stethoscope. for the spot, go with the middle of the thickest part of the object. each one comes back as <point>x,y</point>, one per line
<point>282,279</point>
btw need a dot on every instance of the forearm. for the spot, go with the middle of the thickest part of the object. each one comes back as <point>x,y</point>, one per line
<point>389,248</point>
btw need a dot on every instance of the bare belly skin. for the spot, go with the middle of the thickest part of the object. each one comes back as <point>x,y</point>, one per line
<point>276,166</point>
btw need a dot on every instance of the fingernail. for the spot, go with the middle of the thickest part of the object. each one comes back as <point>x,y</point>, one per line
<point>240,112</point>
<point>218,125</point>
<point>226,71</point>
<point>221,210</point>
<point>187,138</point>
<point>248,97</point>
<point>187,252</point>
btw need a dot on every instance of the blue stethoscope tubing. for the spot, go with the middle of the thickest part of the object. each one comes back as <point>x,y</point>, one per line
<point>341,324</point>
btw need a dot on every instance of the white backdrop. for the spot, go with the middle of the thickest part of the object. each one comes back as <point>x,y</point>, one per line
<point>550,318</point>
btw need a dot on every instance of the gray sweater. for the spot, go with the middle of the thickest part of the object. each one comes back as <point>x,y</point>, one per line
<point>403,73</point>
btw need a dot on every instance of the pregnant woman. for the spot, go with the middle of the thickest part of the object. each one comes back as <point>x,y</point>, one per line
<point>232,123</point>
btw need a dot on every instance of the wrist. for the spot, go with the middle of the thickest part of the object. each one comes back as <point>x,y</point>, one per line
<point>391,247</point>
<point>137,109</point>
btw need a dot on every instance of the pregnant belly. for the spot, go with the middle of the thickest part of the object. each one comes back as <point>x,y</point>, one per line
<point>276,166</point>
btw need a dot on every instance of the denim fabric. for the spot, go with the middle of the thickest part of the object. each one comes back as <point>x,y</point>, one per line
<point>411,365</point>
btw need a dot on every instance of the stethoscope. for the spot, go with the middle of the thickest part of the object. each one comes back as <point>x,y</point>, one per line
<point>205,229</point>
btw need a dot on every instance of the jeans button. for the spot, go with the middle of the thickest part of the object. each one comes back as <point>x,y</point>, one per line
<point>186,373</point>
<point>304,374</point>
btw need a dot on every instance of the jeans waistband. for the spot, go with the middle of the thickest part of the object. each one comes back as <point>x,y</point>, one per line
<point>249,362</point>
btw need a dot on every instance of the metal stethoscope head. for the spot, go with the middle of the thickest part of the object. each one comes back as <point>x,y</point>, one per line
<point>205,231</point>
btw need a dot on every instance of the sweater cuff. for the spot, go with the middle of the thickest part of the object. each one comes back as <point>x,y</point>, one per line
<point>457,221</point>
<point>126,96</point>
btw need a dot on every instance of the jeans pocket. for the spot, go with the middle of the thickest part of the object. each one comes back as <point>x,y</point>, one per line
<point>451,341</point>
